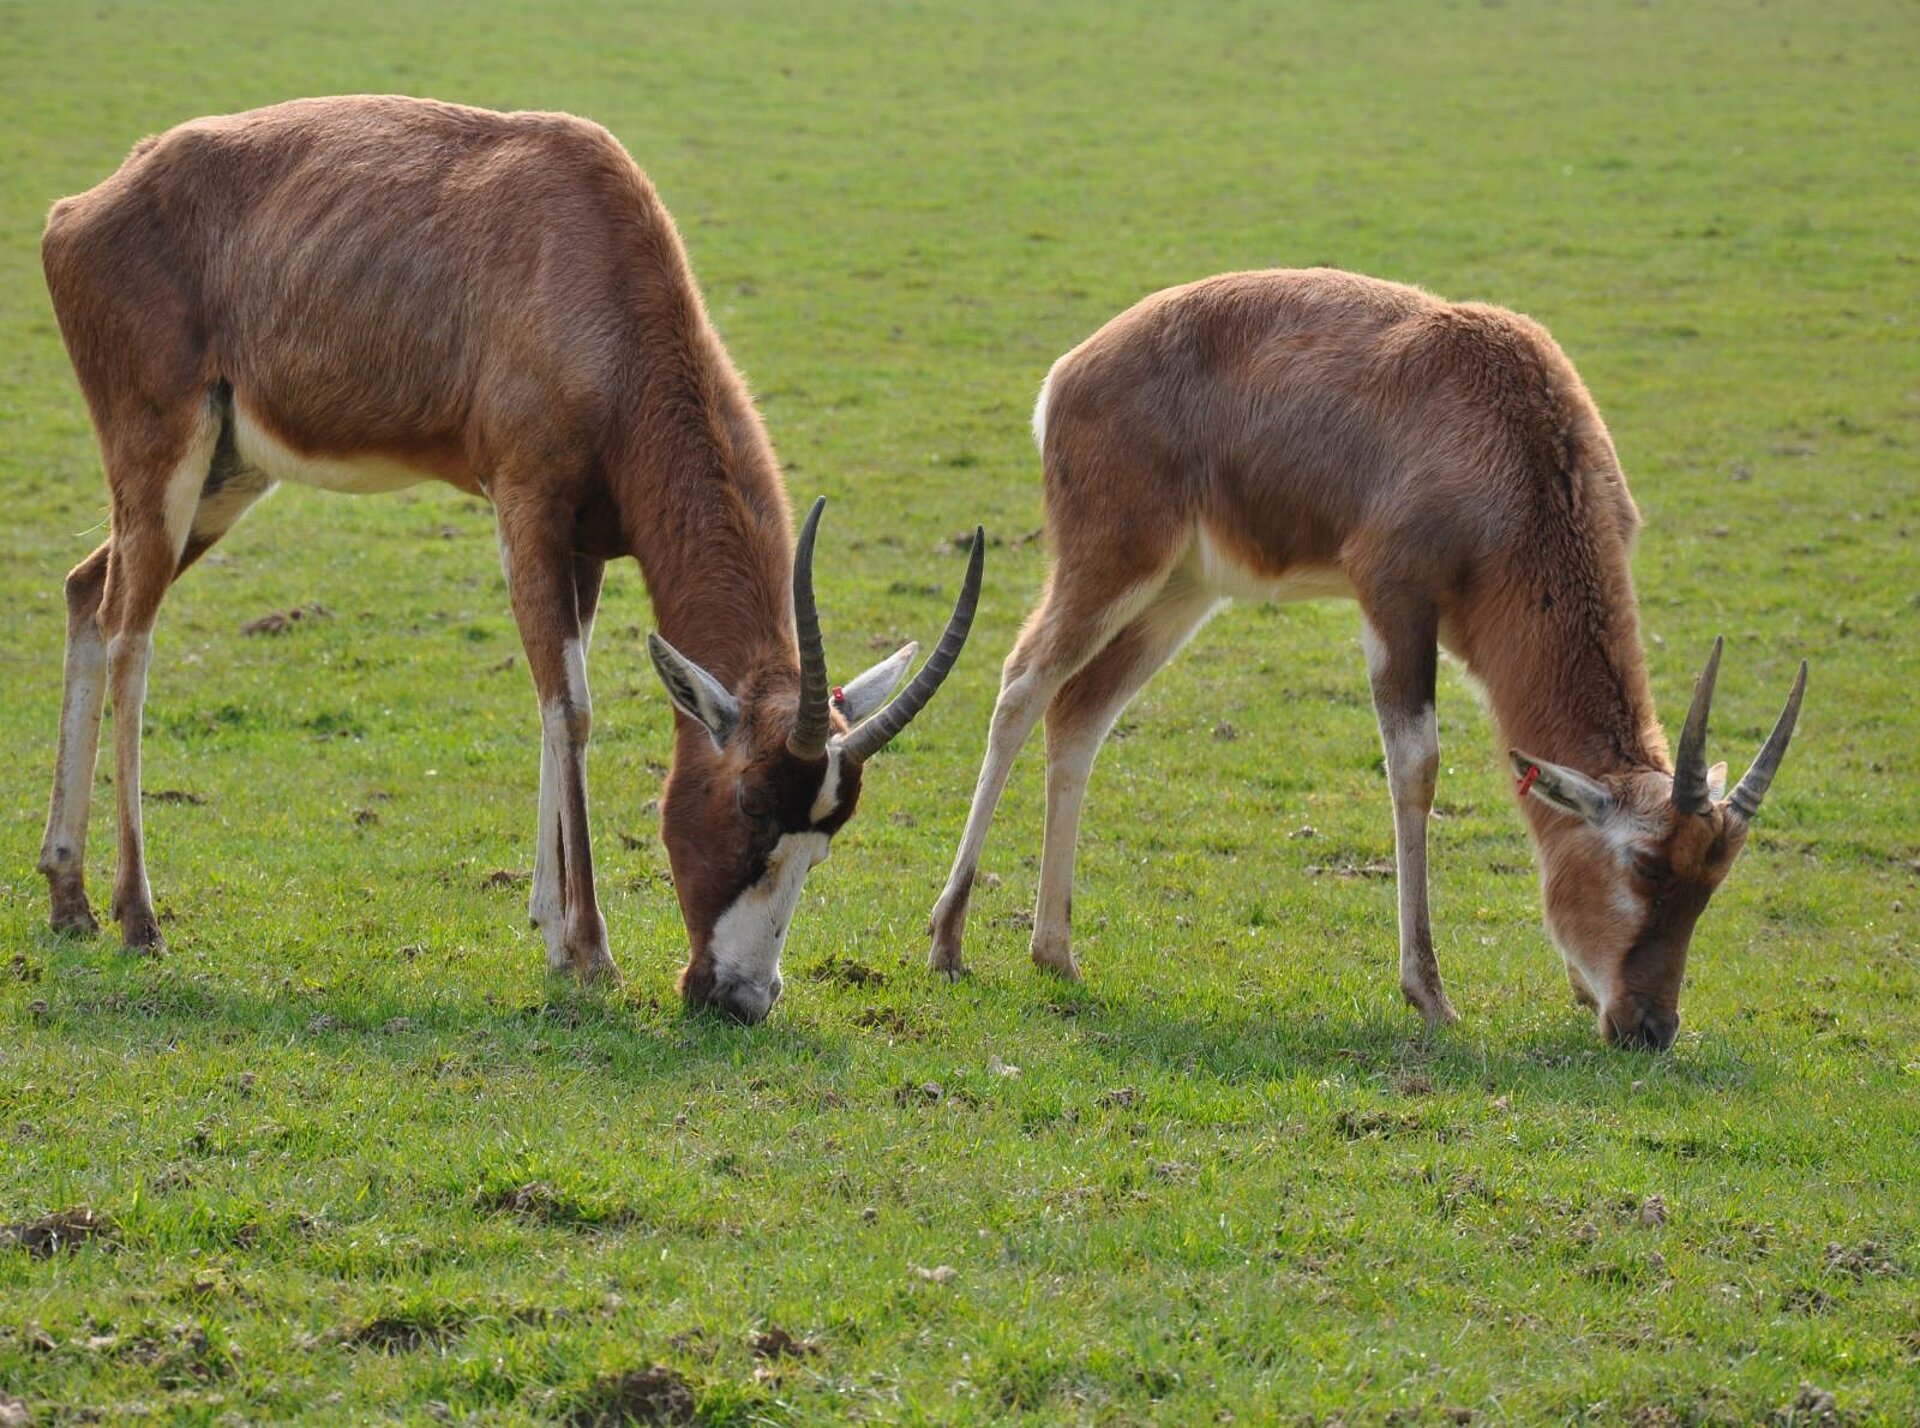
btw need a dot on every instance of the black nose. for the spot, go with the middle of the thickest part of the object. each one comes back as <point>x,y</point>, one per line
<point>744,1003</point>
<point>1641,1028</point>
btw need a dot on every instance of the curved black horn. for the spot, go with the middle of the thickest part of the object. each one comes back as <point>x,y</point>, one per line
<point>1690,766</point>
<point>1753,788</point>
<point>876,733</point>
<point>809,737</point>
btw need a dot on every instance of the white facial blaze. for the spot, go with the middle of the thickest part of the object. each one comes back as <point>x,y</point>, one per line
<point>748,938</point>
<point>828,799</point>
<point>1594,948</point>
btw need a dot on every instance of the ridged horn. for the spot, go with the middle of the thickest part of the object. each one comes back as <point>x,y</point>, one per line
<point>1753,788</point>
<point>810,723</point>
<point>873,735</point>
<point>1690,765</point>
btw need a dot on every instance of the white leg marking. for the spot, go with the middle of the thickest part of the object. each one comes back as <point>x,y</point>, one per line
<point>1018,709</point>
<point>560,759</point>
<point>1411,742</point>
<point>79,746</point>
<point>128,657</point>
<point>546,903</point>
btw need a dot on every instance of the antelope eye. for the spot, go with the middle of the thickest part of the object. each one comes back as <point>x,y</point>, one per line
<point>754,803</point>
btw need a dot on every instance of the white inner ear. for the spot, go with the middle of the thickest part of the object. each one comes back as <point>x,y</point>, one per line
<point>863,696</point>
<point>1717,782</point>
<point>1565,789</point>
<point>693,691</point>
<point>748,938</point>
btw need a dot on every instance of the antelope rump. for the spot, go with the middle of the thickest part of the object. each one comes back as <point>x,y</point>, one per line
<point>1291,434</point>
<point>363,293</point>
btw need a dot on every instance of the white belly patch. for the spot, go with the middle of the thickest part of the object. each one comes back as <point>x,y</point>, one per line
<point>1227,577</point>
<point>352,475</point>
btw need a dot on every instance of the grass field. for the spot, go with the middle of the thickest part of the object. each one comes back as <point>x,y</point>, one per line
<point>352,1157</point>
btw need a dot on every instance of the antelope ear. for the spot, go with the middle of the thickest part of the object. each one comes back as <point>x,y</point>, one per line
<point>1717,781</point>
<point>1564,788</point>
<point>694,692</point>
<point>859,697</point>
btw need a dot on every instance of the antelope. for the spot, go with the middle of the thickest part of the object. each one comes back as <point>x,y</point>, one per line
<point>363,293</point>
<point>1291,434</point>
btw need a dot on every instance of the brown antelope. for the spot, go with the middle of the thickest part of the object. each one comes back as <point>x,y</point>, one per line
<point>363,293</point>
<point>1283,435</point>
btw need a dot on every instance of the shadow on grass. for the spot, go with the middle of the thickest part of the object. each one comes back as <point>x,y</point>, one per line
<point>92,988</point>
<point>1552,1051</point>
<point>641,1033</point>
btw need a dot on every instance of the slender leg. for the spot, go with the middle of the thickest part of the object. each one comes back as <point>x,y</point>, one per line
<point>541,576</point>
<point>546,903</point>
<point>1078,720</point>
<point>1069,628</point>
<point>63,854</point>
<point>1402,659</point>
<point>113,597</point>
<point>168,454</point>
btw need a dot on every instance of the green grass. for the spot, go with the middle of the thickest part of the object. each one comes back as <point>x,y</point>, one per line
<point>360,1161</point>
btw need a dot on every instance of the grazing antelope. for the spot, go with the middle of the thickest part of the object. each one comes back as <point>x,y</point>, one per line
<point>1283,435</point>
<point>363,293</point>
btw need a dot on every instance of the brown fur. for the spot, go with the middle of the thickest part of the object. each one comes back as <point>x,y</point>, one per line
<point>1446,461</point>
<point>498,301</point>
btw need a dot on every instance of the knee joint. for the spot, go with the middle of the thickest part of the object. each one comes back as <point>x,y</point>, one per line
<point>574,720</point>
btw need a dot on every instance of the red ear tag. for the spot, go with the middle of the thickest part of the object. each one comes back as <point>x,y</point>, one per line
<point>839,696</point>
<point>1526,780</point>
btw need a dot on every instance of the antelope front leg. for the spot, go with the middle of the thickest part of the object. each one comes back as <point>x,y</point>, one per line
<point>547,903</point>
<point>1401,663</point>
<point>540,577</point>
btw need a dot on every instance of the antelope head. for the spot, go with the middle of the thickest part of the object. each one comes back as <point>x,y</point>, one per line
<point>766,779</point>
<point>1622,896</point>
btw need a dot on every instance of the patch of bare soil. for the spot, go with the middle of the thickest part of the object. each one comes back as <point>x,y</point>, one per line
<point>401,1333</point>
<point>890,1020</point>
<point>63,1230</point>
<point>846,972</point>
<point>278,622</point>
<point>774,1342</point>
<point>1859,1261</point>
<point>539,1201</point>
<point>1376,868</point>
<point>649,1395</point>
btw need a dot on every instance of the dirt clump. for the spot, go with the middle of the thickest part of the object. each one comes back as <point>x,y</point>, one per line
<point>649,1395</point>
<point>63,1230</point>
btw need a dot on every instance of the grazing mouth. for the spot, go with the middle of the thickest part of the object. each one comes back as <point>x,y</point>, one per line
<point>1652,1031</point>
<point>743,1003</point>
